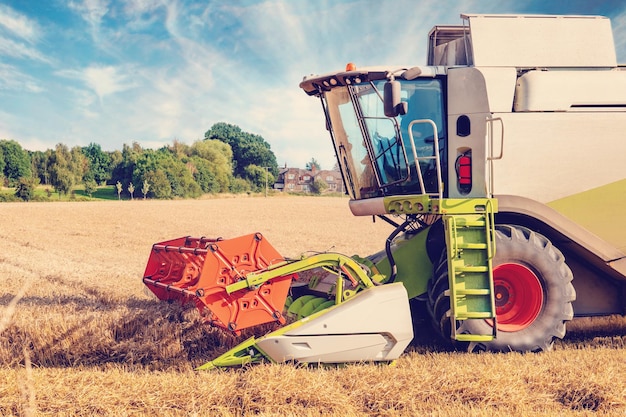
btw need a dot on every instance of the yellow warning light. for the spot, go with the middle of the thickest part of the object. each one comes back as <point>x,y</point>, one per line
<point>350,67</point>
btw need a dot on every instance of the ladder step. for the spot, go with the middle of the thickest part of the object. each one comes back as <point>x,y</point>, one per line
<point>471,223</point>
<point>461,269</point>
<point>474,337</point>
<point>474,315</point>
<point>472,291</point>
<point>479,246</point>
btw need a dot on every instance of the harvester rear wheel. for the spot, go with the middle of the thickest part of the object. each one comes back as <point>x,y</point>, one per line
<point>533,294</point>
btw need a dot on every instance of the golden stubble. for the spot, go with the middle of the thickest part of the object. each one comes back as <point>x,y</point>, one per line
<point>79,335</point>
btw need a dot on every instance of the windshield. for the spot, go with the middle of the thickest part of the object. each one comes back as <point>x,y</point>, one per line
<point>380,155</point>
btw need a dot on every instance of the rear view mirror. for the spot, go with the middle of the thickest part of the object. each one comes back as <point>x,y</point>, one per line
<point>394,106</point>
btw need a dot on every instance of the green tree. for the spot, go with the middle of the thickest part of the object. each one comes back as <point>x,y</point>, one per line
<point>17,162</point>
<point>179,172</point>
<point>61,176</point>
<point>78,164</point>
<point>239,185</point>
<point>90,186</point>
<point>125,166</point>
<point>160,185</point>
<point>318,186</point>
<point>219,158</point>
<point>179,149</point>
<point>131,191</point>
<point>26,188</point>
<point>2,165</point>
<point>116,160</point>
<point>247,148</point>
<point>145,188</point>
<point>259,177</point>
<point>180,178</point>
<point>313,164</point>
<point>64,181</point>
<point>148,160</point>
<point>99,163</point>
<point>203,175</point>
<point>119,187</point>
<point>40,165</point>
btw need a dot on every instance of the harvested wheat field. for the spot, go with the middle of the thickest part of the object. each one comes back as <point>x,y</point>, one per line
<point>80,336</point>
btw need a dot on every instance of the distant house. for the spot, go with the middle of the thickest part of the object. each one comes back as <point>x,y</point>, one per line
<point>300,180</point>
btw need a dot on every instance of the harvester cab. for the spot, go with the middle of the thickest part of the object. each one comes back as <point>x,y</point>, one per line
<point>424,149</point>
<point>391,144</point>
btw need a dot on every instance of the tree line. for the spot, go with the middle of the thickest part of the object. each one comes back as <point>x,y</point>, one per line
<point>226,160</point>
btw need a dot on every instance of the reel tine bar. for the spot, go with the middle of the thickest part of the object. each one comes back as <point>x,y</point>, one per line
<point>198,270</point>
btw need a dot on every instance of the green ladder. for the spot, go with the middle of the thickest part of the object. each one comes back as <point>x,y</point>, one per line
<point>470,241</point>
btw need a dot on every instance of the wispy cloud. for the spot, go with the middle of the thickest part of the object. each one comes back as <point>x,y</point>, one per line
<point>103,80</point>
<point>18,36</point>
<point>14,49</point>
<point>140,7</point>
<point>141,14</point>
<point>92,11</point>
<point>18,24</point>
<point>14,80</point>
<point>103,38</point>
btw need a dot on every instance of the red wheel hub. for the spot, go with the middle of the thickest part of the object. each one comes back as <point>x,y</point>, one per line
<point>518,296</point>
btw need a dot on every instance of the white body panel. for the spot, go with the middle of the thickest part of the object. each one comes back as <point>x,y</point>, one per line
<point>500,84</point>
<point>375,325</point>
<point>564,130</point>
<point>533,41</point>
<point>570,90</point>
<point>367,207</point>
<point>468,95</point>
<point>547,156</point>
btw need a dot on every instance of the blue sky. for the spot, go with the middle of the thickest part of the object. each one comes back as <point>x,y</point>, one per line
<point>152,71</point>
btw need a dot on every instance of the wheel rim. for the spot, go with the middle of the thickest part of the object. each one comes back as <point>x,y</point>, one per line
<point>518,296</point>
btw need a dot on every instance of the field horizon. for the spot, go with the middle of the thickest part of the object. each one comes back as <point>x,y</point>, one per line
<point>80,335</point>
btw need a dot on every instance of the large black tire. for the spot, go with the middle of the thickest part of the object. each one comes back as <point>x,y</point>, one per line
<point>533,291</point>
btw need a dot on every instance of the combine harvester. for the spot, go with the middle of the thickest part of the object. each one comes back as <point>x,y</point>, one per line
<point>460,157</point>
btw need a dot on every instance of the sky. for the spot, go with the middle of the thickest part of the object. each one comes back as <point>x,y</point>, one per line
<point>114,72</point>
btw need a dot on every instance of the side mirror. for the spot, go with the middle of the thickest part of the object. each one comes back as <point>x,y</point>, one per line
<point>393,102</point>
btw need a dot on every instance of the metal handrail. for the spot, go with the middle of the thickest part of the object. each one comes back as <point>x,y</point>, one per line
<point>490,221</point>
<point>490,156</point>
<point>435,157</point>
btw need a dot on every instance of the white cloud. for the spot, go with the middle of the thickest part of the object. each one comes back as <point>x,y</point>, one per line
<point>20,50</point>
<point>92,11</point>
<point>102,79</point>
<point>292,123</point>
<point>84,102</point>
<point>138,7</point>
<point>18,25</point>
<point>141,14</point>
<point>12,79</point>
<point>105,80</point>
<point>18,33</point>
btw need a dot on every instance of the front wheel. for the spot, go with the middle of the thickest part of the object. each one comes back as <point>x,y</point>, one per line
<point>533,294</point>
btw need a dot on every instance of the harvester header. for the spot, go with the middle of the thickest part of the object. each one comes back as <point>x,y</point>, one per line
<point>203,271</point>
